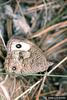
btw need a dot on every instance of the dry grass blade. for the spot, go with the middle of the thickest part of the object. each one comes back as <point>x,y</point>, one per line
<point>54,48</point>
<point>45,31</point>
<point>28,90</point>
<point>41,6</point>
<point>5,91</point>
<point>3,40</point>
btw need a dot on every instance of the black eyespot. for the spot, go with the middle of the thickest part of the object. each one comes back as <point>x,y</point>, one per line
<point>18,45</point>
<point>13,68</point>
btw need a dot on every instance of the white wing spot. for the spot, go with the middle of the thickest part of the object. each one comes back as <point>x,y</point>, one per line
<point>24,46</point>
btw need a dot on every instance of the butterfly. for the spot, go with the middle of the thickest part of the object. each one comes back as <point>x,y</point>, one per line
<point>24,57</point>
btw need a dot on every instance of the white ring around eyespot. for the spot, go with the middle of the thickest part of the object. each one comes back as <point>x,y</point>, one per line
<point>25,46</point>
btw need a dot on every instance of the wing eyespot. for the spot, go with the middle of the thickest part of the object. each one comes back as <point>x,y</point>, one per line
<point>18,46</point>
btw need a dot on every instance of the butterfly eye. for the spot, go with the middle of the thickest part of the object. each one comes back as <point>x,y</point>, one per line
<point>18,46</point>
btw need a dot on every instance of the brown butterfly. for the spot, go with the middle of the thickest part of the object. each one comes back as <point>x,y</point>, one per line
<point>25,57</point>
